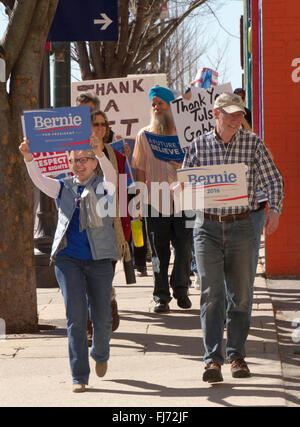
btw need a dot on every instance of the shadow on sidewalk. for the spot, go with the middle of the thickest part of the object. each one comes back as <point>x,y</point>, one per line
<point>215,393</point>
<point>285,296</point>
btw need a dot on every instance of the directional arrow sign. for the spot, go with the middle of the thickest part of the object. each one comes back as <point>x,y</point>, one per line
<point>88,20</point>
<point>105,21</point>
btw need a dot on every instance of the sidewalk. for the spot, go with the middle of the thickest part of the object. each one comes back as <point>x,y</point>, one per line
<point>156,359</point>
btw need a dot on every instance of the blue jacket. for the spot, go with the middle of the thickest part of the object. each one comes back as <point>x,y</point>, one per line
<point>102,240</point>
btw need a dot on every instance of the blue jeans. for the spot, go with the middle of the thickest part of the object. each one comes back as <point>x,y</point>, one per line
<point>83,283</point>
<point>225,253</point>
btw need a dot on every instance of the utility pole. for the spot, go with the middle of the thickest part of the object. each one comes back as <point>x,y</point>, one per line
<point>46,216</point>
<point>62,74</point>
<point>45,220</point>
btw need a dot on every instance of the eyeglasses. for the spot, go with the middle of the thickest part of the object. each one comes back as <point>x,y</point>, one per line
<point>82,160</point>
<point>99,124</point>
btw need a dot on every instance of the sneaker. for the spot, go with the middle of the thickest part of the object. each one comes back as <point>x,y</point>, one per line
<point>161,307</point>
<point>115,314</point>
<point>78,388</point>
<point>184,302</point>
<point>212,373</point>
<point>142,272</point>
<point>239,369</point>
<point>101,368</point>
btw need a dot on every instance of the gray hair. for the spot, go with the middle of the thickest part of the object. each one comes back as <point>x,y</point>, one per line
<point>89,153</point>
<point>86,97</point>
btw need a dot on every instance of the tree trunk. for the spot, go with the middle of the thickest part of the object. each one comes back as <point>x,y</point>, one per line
<point>24,47</point>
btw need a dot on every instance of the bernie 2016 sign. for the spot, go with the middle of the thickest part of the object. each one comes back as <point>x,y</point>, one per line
<point>57,129</point>
<point>219,185</point>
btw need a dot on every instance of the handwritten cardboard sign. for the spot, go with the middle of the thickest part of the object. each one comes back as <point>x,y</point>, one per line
<point>125,100</point>
<point>194,117</point>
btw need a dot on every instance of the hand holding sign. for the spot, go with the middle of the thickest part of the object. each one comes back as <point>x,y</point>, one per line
<point>97,145</point>
<point>24,149</point>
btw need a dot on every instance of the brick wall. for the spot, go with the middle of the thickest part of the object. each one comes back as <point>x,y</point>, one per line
<point>281,45</point>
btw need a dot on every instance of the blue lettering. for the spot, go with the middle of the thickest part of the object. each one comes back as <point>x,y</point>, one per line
<point>192,178</point>
<point>232,177</point>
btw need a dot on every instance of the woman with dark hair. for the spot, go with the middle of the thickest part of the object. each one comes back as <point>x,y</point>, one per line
<point>100,127</point>
<point>100,124</point>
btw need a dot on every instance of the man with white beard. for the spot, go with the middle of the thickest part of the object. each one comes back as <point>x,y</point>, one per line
<point>162,228</point>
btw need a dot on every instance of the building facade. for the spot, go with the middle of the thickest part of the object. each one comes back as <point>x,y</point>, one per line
<point>271,60</point>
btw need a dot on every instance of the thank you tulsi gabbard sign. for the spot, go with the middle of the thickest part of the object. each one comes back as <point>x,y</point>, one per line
<point>194,117</point>
<point>219,185</point>
<point>57,129</point>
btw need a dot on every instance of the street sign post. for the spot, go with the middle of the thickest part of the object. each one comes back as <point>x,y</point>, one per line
<point>89,20</point>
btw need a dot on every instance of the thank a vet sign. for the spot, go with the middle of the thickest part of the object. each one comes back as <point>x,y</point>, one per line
<point>125,100</point>
<point>220,185</point>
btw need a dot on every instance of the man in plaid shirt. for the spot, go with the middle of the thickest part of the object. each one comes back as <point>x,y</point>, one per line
<point>225,241</point>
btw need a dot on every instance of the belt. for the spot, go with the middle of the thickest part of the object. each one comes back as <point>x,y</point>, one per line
<point>227,218</point>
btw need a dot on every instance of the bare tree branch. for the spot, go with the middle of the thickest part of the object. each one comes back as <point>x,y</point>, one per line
<point>141,36</point>
<point>166,33</point>
<point>9,5</point>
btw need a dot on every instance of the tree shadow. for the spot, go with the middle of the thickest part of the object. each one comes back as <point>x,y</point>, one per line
<point>215,393</point>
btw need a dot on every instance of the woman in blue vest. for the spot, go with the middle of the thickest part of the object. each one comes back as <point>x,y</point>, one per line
<point>84,247</point>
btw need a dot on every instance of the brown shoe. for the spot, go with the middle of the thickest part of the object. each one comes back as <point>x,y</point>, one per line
<point>142,272</point>
<point>212,373</point>
<point>115,314</point>
<point>239,369</point>
<point>78,388</point>
<point>101,369</point>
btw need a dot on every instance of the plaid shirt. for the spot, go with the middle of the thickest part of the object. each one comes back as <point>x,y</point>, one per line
<point>245,147</point>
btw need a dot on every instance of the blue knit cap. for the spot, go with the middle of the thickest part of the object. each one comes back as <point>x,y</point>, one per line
<point>162,93</point>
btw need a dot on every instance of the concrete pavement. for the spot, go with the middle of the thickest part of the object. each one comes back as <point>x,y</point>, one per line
<point>156,359</point>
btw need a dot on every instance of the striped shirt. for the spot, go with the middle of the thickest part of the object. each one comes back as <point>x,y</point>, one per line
<point>245,147</point>
<point>155,170</point>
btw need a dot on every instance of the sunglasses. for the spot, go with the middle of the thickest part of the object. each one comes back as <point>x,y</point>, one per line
<point>99,125</point>
<point>82,160</point>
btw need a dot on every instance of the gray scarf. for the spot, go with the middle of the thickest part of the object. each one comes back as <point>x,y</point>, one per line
<point>88,217</point>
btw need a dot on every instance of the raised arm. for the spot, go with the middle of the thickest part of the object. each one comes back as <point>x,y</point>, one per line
<point>109,173</point>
